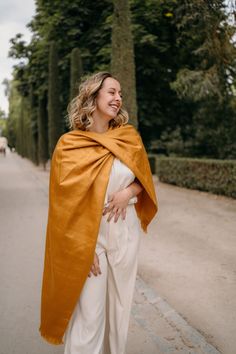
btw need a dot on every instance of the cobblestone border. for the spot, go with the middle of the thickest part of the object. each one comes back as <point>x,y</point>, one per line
<point>191,341</point>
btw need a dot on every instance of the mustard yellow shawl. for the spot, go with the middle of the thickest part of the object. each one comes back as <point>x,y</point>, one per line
<point>80,170</point>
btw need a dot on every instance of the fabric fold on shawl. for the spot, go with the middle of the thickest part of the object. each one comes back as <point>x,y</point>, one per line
<point>80,170</point>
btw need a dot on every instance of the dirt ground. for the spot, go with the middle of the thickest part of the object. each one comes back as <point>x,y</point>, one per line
<point>189,257</point>
<point>187,269</point>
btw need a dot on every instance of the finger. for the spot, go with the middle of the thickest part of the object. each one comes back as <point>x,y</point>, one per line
<point>110,216</point>
<point>123,214</point>
<point>96,264</point>
<point>99,270</point>
<point>117,215</point>
<point>96,261</point>
<point>93,269</point>
<point>105,207</point>
<point>113,212</point>
<point>110,197</point>
<point>108,209</point>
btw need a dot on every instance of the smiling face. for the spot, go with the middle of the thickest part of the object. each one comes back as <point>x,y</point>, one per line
<point>109,100</point>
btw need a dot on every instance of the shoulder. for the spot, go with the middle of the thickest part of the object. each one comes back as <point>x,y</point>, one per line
<point>128,129</point>
<point>69,139</point>
<point>133,132</point>
<point>65,138</point>
<point>65,143</point>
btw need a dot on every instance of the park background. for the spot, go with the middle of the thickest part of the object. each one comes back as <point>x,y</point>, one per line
<point>176,63</point>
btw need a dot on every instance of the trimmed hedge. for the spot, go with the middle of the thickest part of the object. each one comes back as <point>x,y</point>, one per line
<point>215,176</point>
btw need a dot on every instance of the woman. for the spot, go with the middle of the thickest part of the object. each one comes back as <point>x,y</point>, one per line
<point>101,192</point>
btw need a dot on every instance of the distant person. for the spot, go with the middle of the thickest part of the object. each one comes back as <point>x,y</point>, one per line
<point>3,145</point>
<point>101,194</point>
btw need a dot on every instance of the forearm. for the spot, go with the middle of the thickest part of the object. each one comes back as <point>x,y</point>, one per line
<point>134,188</point>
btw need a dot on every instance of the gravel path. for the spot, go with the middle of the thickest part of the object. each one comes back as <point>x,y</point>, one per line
<point>187,267</point>
<point>189,258</point>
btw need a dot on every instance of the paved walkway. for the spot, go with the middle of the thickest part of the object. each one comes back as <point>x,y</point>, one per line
<point>155,327</point>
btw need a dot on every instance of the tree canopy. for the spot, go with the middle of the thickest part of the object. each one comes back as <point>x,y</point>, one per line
<point>185,67</point>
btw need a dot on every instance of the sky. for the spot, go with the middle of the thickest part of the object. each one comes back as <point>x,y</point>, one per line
<point>14,16</point>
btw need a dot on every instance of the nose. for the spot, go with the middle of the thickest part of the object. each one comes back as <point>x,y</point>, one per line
<point>118,97</point>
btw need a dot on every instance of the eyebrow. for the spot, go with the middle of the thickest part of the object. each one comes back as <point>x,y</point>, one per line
<point>112,88</point>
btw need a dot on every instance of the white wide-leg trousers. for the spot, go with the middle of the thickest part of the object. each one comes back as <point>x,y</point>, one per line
<point>99,324</point>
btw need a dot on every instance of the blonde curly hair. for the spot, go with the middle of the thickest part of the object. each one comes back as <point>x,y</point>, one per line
<point>81,108</point>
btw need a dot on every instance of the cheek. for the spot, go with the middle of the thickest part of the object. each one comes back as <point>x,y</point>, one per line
<point>102,102</point>
<point>99,105</point>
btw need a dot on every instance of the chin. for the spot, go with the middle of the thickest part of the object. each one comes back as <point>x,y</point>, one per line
<point>111,116</point>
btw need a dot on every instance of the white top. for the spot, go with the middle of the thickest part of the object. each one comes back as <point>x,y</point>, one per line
<point>120,178</point>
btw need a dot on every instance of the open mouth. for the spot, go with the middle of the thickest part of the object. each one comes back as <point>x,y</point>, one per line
<point>115,107</point>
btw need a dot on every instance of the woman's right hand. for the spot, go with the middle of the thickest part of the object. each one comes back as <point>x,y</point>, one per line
<point>95,268</point>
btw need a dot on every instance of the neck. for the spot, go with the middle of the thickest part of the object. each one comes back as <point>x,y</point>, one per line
<point>99,125</point>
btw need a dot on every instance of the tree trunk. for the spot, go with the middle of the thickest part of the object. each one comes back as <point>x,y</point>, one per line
<point>122,60</point>
<point>55,126</point>
<point>76,71</point>
<point>42,131</point>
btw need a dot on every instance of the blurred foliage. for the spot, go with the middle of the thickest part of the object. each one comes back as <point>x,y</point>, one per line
<point>14,108</point>
<point>185,67</point>
<point>3,123</point>
<point>2,114</point>
<point>215,176</point>
<point>23,132</point>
